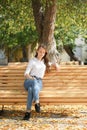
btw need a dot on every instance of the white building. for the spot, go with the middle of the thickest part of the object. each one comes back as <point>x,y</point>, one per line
<point>81,49</point>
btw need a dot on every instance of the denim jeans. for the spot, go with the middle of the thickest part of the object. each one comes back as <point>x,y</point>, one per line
<point>33,86</point>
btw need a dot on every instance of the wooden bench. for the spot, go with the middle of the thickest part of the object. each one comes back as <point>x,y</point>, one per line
<point>68,86</point>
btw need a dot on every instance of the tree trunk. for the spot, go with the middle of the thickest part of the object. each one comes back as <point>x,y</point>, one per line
<point>69,51</point>
<point>45,24</point>
<point>24,58</point>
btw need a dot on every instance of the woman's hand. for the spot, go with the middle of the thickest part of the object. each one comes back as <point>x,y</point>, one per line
<point>57,67</point>
<point>27,76</point>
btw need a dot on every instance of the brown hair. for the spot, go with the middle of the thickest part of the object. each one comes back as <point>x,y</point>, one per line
<point>45,58</point>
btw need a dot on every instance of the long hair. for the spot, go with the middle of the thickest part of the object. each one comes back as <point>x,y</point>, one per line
<point>44,58</point>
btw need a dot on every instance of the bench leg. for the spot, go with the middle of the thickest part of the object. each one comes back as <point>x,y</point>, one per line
<point>2,108</point>
<point>1,111</point>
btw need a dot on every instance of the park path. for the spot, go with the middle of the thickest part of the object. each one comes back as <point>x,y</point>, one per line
<point>61,117</point>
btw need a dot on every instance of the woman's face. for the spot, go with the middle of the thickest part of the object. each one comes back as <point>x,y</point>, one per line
<point>41,52</point>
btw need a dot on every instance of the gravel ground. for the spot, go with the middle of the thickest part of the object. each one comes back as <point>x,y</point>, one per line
<point>61,117</point>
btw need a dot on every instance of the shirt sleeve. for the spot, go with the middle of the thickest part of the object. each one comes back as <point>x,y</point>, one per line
<point>29,67</point>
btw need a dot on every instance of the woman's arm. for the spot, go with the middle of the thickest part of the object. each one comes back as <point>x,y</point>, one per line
<point>28,69</point>
<point>27,76</point>
<point>56,66</point>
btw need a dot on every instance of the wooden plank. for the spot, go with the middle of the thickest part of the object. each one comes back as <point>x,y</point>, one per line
<point>54,94</point>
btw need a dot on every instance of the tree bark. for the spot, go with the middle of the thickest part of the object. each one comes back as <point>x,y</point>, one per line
<point>45,17</point>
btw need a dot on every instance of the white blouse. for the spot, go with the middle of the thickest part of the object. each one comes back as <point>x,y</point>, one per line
<point>36,68</point>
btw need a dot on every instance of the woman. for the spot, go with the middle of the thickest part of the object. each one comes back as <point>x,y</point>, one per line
<point>33,79</point>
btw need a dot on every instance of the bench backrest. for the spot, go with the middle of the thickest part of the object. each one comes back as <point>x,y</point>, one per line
<point>68,86</point>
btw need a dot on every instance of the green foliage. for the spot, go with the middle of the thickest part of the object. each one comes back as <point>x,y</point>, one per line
<point>17,24</point>
<point>71,21</point>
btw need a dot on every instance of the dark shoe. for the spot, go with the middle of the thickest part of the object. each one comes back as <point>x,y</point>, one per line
<point>37,107</point>
<point>27,116</point>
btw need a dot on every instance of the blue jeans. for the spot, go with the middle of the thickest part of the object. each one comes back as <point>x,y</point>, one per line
<point>33,86</point>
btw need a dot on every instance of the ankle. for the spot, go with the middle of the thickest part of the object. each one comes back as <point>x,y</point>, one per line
<point>29,111</point>
<point>36,102</point>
